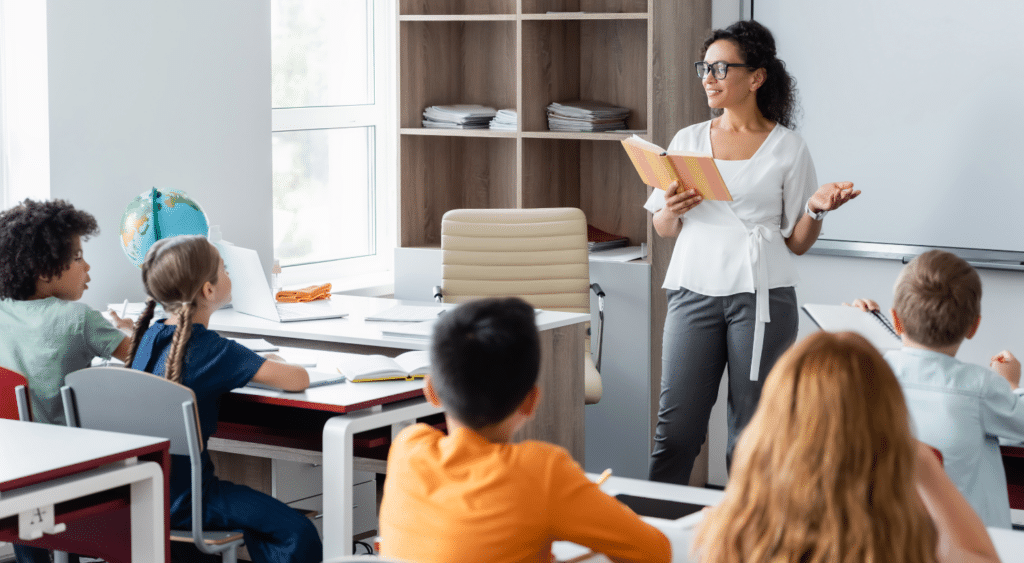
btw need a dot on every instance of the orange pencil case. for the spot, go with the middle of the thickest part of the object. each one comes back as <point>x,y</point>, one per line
<point>311,293</point>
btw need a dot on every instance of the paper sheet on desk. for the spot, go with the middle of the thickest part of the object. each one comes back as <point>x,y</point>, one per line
<point>622,254</point>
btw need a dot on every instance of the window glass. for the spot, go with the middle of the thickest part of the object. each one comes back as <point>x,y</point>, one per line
<point>324,204</point>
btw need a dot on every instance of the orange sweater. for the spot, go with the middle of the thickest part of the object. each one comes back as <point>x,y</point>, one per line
<point>460,498</point>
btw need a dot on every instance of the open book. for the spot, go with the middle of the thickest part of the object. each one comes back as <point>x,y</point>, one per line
<point>659,168</point>
<point>874,325</point>
<point>409,365</point>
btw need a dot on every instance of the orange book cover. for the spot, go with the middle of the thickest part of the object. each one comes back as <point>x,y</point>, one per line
<point>659,168</point>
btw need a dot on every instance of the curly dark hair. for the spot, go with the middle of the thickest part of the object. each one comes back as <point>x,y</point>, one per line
<point>776,98</point>
<point>35,242</point>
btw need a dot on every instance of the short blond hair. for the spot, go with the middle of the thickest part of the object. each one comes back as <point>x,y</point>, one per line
<point>938,298</point>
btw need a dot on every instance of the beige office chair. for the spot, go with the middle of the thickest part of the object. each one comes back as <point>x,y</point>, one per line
<point>539,255</point>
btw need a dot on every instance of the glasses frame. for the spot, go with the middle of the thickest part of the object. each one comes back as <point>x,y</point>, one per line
<point>704,68</point>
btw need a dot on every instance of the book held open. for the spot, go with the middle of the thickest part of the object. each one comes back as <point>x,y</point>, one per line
<point>659,168</point>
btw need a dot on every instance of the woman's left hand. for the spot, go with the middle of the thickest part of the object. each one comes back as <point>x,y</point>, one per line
<point>832,196</point>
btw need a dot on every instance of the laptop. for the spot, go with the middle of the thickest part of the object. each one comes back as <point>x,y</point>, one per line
<point>250,292</point>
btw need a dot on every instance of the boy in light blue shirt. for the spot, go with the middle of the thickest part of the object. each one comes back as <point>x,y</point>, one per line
<point>46,333</point>
<point>960,408</point>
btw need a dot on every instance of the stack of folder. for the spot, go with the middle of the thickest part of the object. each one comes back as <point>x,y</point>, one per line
<point>598,240</point>
<point>459,116</point>
<point>505,120</point>
<point>586,116</point>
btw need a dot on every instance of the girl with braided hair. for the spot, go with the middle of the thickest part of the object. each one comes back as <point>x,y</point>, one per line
<point>730,282</point>
<point>186,275</point>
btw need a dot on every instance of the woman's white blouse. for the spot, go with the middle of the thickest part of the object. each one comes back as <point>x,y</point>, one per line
<point>724,245</point>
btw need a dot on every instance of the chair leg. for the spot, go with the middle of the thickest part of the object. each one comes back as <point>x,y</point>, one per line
<point>230,556</point>
<point>60,557</point>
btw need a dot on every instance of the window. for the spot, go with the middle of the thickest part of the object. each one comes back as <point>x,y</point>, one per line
<point>333,138</point>
<point>24,113</point>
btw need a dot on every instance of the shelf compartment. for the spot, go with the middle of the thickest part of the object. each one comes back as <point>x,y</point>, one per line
<point>593,175</point>
<point>456,7</point>
<point>441,173</point>
<point>589,6</point>
<point>455,62</point>
<point>594,59</point>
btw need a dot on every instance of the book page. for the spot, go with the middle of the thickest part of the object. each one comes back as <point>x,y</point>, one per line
<point>370,367</point>
<point>416,362</point>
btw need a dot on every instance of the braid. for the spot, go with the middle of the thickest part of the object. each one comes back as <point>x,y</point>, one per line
<point>182,334</point>
<point>140,328</point>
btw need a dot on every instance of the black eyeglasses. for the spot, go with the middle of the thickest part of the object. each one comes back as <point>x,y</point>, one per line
<point>719,69</point>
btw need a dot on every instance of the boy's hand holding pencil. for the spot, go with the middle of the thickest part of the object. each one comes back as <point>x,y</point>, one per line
<point>1006,365</point>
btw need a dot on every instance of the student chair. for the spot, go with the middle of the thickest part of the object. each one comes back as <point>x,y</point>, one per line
<point>14,403</point>
<point>539,255</point>
<point>149,405</point>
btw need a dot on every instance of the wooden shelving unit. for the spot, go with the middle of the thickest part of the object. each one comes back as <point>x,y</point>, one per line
<point>515,54</point>
<point>525,54</point>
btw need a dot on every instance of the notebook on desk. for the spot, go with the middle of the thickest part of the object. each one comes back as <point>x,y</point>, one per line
<point>316,379</point>
<point>250,292</point>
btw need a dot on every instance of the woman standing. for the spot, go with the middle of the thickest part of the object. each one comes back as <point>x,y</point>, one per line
<point>730,281</point>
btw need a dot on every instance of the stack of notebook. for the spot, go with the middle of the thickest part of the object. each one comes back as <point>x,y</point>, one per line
<point>586,116</point>
<point>505,120</point>
<point>598,240</point>
<point>460,116</point>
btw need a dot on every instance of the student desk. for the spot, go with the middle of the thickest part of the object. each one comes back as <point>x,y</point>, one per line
<point>368,406</point>
<point>109,490</point>
<point>1009,544</point>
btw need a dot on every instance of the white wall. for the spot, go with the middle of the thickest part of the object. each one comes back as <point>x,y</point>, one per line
<point>167,94</point>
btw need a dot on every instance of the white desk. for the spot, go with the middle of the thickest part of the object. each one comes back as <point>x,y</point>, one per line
<point>45,469</point>
<point>1009,543</point>
<point>559,418</point>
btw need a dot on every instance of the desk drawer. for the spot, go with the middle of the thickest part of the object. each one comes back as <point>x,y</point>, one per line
<point>364,507</point>
<point>291,481</point>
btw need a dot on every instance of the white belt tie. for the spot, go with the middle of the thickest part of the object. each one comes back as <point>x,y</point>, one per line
<point>758,239</point>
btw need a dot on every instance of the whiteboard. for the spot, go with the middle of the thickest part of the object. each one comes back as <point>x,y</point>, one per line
<point>921,104</point>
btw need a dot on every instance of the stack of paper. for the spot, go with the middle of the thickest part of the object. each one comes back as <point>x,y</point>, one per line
<point>586,116</point>
<point>505,120</point>
<point>460,116</point>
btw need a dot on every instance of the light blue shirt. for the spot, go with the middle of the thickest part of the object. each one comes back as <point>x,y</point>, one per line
<point>46,339</point>
<point>963,409</point>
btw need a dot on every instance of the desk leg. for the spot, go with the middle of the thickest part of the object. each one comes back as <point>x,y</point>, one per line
<point>149,535</point>
<point>338,470</point>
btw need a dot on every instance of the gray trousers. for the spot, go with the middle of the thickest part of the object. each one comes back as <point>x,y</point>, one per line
<point>702,335</point>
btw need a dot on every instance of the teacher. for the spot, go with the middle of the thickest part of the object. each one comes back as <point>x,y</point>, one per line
<point>730,282</point>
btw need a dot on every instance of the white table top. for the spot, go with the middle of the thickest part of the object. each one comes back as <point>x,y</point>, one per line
<point>355,329</point>
<point>32,448</point>
<point>346,396</point>
<point>1009,543</point>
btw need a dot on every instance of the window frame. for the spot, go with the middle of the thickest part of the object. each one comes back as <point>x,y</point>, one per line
<point>381,117</point>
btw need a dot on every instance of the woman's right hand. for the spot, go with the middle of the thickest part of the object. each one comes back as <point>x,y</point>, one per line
<point>681,201</point>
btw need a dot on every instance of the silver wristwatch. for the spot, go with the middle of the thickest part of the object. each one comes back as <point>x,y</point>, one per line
<point>816,216</point>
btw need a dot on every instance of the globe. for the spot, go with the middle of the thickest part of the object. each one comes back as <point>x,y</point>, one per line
<point>157,214</point>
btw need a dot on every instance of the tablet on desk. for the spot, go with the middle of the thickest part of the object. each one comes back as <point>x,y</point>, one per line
<point>658,508</point>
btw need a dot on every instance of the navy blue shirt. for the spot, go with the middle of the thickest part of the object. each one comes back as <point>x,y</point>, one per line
<point>212,366</point>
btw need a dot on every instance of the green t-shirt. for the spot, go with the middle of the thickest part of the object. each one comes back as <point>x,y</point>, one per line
<point>46,339</point>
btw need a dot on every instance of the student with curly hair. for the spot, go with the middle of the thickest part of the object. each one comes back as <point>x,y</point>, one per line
<point>828,471</point>
<point>730,282</point>
<point>46,333</point>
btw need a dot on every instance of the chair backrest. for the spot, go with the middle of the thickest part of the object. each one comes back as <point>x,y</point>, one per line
<point>127,400</point>
<point>14,403</point>
<point>539,255</point>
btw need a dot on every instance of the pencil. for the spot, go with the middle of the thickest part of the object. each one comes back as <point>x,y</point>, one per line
<point>604,476</point>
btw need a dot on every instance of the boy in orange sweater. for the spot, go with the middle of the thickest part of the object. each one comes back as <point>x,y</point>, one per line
<point>472,495</point>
